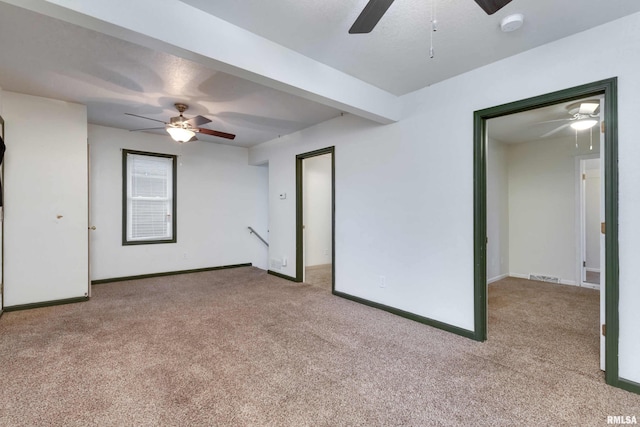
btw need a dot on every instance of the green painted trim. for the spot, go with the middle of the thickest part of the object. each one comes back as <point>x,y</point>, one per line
<point>300,216</point>
<point>283,276</point>
<point>168,273</point>
<point>2,227</point>
<point>411,316</point>
<point>45,304</point>
<point>174,207</point>
<point>480,226</point>
<point>608,88</point>
<point>628,385</point>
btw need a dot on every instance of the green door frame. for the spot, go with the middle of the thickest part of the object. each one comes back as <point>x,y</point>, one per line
<point>608,88</point>
<point>299,213</point>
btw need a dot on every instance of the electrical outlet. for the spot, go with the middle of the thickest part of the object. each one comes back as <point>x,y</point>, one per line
<point>185,256</point>
<point>284,261</point>
<point>383,282</point>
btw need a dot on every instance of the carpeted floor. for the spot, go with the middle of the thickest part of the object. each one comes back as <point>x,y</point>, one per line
<point>319,275</point>
<point>240,347</point>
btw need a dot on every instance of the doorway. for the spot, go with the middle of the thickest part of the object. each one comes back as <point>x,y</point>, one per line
<point>590,212</point>
<point>315,218</point>
<point>607,89</point>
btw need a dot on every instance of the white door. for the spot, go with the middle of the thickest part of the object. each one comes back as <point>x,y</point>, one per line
<point>45,234</point>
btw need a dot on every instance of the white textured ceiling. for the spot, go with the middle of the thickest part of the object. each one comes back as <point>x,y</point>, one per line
<point>535,125</point>
<point>395,55</point>
<point>41,55</point>
<point>62,61</point>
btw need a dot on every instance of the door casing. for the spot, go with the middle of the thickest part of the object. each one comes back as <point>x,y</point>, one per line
<point>299,214</point>
<point>607,88</point>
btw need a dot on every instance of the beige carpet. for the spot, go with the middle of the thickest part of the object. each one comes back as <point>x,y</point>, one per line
<point>319,275</point>
<point>240,347</point>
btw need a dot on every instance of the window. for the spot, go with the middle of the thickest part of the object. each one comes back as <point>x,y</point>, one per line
<point>149,198</point>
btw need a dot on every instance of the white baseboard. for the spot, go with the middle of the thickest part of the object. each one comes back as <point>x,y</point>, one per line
<point>591,286</point>
<point>495,279</point>
<point>593,270</point>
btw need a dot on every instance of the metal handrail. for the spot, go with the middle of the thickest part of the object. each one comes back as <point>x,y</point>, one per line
<point>257,235</point>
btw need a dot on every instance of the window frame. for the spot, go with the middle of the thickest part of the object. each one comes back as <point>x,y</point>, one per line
<point>125,198</point>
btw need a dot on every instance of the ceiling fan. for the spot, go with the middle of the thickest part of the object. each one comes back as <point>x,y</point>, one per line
<point>182,129</point>
<point>375,9</point>
<point>583,116</point>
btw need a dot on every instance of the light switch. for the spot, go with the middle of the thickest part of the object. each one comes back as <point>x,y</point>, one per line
<point>283,196</point>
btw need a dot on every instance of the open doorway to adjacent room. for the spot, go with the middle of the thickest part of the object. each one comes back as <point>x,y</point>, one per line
<point>315,213</point>
<point>542,259</point>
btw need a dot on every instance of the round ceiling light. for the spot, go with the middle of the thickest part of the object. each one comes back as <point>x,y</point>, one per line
<point>512,22</point>
<point>583,124</point>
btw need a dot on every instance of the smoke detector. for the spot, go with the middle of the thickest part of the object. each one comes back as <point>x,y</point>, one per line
<point>512,22</point>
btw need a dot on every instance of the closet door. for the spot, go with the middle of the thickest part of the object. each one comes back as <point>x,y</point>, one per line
<point>46,195</point>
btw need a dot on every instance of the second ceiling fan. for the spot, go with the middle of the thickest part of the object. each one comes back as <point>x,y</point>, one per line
<point>375,9</point>
<point>182,129</point>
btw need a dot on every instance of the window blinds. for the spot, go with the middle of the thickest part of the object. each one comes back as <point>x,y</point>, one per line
<point>149,197</point>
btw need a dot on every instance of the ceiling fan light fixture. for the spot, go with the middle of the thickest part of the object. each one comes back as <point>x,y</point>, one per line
<point>180,134</point>
<point>583,124</point>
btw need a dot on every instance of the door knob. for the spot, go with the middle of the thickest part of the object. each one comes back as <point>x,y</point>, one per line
<point>93,227</point>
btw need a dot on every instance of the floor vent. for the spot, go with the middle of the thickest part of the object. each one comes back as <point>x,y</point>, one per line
<point>543,278</point>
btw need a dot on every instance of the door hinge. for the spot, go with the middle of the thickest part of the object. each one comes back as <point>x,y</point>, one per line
<point>604,330</point>
<point>602,126</point>
<point>602,228</point>
<point>584,263</point>
<point>584,176</point>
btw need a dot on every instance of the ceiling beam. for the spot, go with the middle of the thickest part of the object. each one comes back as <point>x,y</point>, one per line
<point>177,28</point>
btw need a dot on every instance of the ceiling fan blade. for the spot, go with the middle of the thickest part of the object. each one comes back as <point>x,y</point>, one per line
<point>588,107</point>
<point>557,120</point>
<point>556,130</point>
<point>369,17</point>
<point>492,6</point>
<point>216,133</point>
<point>136,130</point>
<point>198,121</point>
<point>193,139</point>
<point>143,117</point>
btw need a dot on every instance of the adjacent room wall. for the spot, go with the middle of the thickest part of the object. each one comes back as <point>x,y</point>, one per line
<point>404,192</point>
<point>46,200</point>
<point>497,211</point>
<point>542,214</point>
<point>219,195</point>
<point>317,209</point>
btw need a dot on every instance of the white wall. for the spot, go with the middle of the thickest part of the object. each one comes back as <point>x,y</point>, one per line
<point>404,192</point>
<point>497,211</point>
<point>317,209</point>
<point>46,200</point>
<point>542,214</point>
<point>219,195</point>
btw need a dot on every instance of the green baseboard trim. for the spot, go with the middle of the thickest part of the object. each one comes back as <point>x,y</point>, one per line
<point>628,385</point>
<point>45,304</point>
<point>283,276</point>
<point>411,316</point>
<point>168,273</point>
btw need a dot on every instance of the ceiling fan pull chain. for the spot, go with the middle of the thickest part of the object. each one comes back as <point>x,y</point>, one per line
<point>434,27</point>
<point>576,138</point>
